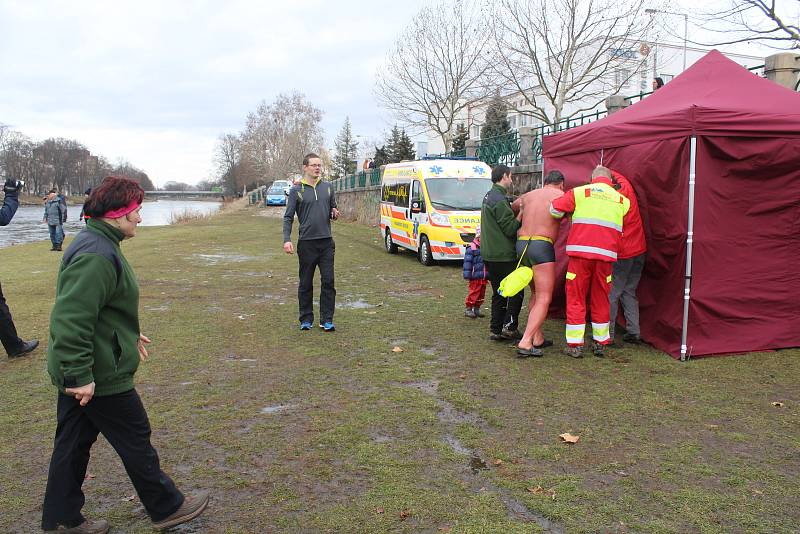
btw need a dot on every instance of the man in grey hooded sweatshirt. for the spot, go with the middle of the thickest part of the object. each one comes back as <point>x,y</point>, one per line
<point>314,203</point>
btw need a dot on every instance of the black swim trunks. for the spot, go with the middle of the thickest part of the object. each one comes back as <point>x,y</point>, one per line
<point>540,250</point>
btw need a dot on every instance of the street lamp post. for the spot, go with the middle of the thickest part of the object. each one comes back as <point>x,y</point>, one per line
<point>651,11</point>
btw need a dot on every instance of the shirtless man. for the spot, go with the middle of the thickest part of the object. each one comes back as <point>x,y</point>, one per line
<point>535,239</point>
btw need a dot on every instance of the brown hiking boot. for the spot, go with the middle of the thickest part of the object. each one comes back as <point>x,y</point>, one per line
<point>193,505</point>
<point>574,352</point>
<point>87,527</point>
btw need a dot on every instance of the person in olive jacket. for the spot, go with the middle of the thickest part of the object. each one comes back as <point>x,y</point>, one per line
<point>499,227</point>
<point>94,350</point>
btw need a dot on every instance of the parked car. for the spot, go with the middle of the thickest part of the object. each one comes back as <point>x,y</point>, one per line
<point>276,195</point>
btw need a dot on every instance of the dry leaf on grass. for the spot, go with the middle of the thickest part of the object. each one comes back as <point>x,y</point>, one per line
<point>777,404</point>
<point>405,514</point>
<point>498,462</point>
<point>445,529</point>
<point>397,349</point>
<point>88,476</point>
<point>378,510</point>
<point>462,376</point>
<point>538,490</point>
<point>569,438</point>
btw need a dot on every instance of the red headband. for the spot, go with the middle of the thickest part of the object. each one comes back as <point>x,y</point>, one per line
<point>121,212</point>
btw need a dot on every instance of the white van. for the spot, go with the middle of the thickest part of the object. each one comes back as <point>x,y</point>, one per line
<point>432,207</point>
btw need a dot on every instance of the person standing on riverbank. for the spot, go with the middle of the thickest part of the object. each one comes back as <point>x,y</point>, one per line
<point>14,346</point>
<point>94,350</point>
<point>314,203</point>
<point>55,215</point>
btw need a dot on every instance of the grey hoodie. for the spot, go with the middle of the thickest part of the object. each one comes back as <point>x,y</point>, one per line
<point>313,205</point>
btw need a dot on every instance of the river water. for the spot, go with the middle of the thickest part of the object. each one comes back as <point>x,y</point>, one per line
<point>27,226</point>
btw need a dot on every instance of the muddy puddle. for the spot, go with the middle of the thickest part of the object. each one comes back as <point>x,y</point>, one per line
<point>359,304</point>
<point>475,464</point>
<point>216,259</point>
<point>277,408</point>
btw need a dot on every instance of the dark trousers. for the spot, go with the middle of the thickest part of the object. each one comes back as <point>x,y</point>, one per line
<point>8,332</point>
<point>505,311</point>
<point>313,253</point>
<point>123,421</point>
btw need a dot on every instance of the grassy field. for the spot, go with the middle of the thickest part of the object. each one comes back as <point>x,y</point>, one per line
<point>313,432</point>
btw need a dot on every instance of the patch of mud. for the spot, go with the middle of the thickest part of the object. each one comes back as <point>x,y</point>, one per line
<point>250,274</point>
<point>456,445</point>
<point>430,386</point>
<point>359,304</point>
<point>278,408</point>
<point>451,415</point>
<point>236,358</point>
<point>216,259</point>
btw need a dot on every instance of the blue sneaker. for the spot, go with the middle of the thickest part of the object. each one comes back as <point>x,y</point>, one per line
<point>328,327</point>
<point>305,326</point>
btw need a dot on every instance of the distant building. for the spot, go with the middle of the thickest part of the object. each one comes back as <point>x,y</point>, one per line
<point>647,61</point>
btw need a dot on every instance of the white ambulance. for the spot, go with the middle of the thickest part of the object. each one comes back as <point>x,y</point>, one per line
<point>432,206</point>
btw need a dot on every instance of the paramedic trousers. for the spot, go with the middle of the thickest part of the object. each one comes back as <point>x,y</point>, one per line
<point>122,419</point>
<point>626,275</point>
<point>8,332</point>
<point>590,278</point>
<point>313,253</point>
<point>505,311</point>
<point>476,293</point>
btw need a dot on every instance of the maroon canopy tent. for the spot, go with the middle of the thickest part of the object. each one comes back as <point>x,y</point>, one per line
<point>714,157</point>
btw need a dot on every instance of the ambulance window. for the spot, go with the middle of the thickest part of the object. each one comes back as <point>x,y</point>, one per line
<point>416,194</point>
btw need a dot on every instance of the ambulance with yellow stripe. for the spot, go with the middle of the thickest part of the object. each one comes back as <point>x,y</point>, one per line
<point>432,206</point>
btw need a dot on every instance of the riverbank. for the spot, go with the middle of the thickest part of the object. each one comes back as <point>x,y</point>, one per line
<point>407,418</point>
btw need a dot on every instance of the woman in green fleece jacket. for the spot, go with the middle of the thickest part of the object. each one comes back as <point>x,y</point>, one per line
<point>94,350</point>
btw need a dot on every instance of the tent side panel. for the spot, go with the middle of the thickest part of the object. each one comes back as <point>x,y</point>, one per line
<point>658,171</point>
<point>746,275</point>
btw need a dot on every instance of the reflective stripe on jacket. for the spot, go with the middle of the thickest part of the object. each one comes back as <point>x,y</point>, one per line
<point>597,215</point>
<point>633,242</point>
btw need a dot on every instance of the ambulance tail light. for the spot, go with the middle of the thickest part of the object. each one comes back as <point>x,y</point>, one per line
<point>440,220</point>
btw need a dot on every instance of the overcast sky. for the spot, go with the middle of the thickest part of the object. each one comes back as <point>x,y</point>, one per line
<point>157,82</point>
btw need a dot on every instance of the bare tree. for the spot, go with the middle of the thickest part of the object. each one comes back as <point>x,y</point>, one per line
<point>16,159</point>
<point>567,54</point>
<point>277,136</point>
<point>227,158</point>
<point>436,68</point>
<point>766,21</point>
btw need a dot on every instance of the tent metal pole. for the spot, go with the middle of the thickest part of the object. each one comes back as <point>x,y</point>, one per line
<point>689,242</point>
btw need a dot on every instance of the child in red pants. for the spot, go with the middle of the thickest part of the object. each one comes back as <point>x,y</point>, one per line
<point>475,272</point>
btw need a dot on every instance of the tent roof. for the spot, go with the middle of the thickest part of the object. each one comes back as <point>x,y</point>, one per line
<point>715,96</point>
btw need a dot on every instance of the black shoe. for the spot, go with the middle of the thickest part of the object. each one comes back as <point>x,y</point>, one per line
<point>633,339</point>
<point>513,335</point>
<point>497,337</point>
<point>27,346</point>
<point>599,350</point>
